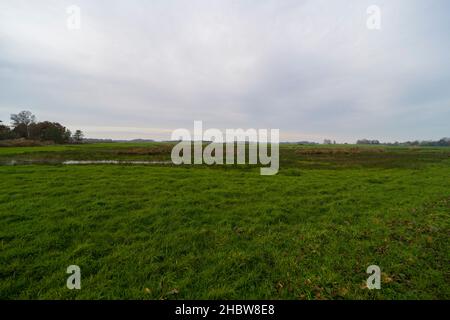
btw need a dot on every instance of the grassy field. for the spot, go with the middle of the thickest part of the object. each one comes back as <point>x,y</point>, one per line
<point>199,232</point>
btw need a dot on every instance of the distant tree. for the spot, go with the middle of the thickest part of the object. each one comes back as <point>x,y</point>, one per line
<point>78,136</point>
<point>444,142</point>
<point>326,141</point>
<point>50,131</point>
<point>365,141</point>
<point>21,123</point>
<point>5,131</point>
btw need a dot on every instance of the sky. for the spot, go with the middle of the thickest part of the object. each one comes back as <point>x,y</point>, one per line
<point>312,69</point>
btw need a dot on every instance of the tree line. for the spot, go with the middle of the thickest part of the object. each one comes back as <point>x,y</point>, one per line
<point>444,142</point>
<point>25,126</point>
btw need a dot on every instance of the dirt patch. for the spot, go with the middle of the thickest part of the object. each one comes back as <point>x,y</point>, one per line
<point>24,143</point>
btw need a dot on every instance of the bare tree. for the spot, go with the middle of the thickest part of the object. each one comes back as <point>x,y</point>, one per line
<point>24,119</point>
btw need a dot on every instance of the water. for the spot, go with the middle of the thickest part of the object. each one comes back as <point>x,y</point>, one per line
<point>80,162</point>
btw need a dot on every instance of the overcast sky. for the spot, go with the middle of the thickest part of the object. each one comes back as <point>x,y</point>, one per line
<point>139,69</point>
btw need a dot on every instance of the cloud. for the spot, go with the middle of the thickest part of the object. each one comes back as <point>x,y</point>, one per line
<point>309,68</point>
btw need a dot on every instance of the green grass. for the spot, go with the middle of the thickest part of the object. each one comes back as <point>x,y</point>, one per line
<point>198,232</point>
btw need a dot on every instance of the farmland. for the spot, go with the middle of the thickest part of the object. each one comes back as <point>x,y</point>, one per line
<point>161,231</point>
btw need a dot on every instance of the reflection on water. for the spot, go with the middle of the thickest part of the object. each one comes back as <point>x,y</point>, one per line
<point>75,162</point>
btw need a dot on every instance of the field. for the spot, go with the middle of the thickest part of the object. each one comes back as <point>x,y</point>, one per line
<point>161,231</point>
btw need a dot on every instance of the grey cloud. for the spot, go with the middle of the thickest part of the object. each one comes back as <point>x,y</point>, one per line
<point>310,68</point>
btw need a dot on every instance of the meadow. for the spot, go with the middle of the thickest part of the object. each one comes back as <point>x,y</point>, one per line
<point>225,232</point>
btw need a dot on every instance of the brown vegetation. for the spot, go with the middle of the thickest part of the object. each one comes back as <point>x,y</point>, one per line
<point>310,151</point>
